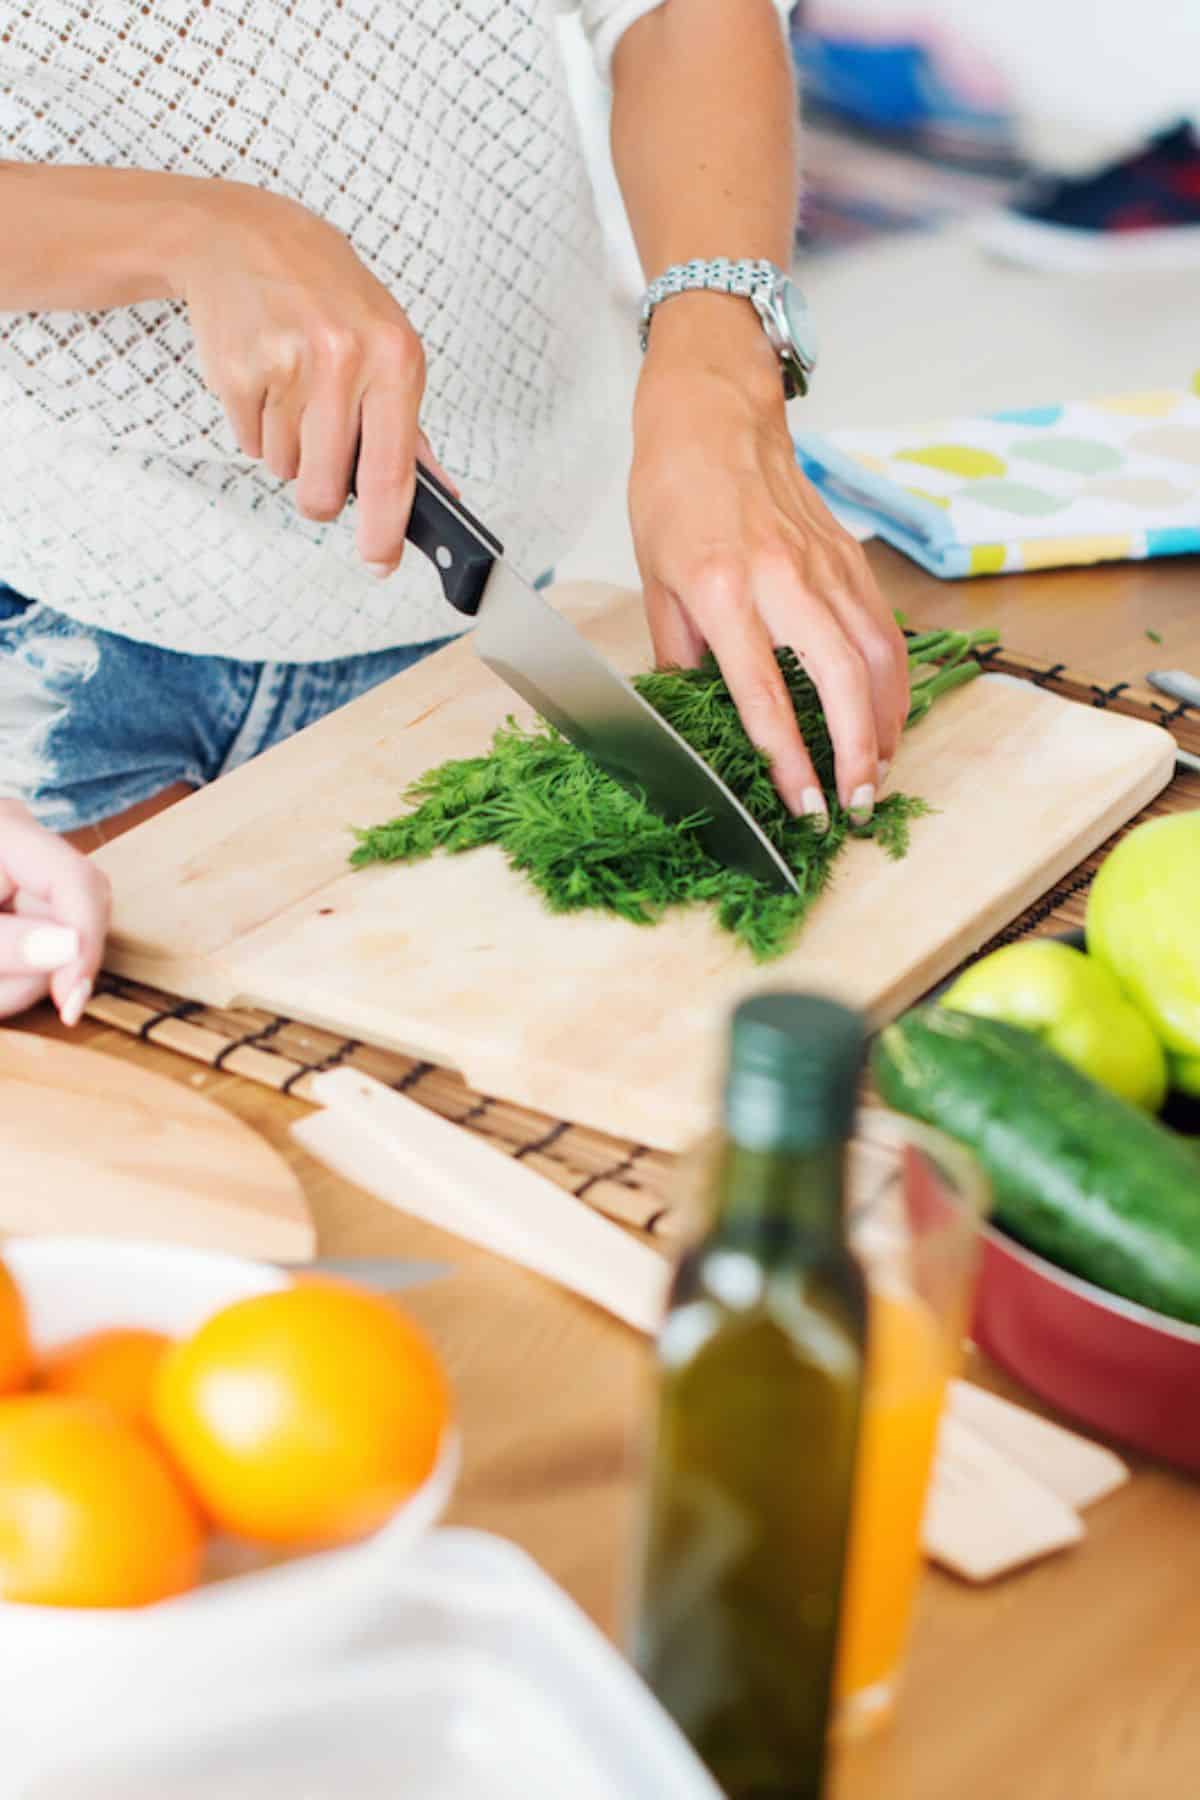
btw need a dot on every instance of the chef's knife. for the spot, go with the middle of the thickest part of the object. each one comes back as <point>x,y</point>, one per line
<point>387,1274</point>
<point>540,654</point>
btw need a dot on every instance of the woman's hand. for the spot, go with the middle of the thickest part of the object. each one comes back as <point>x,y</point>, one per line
<point>54,907</point>
<point>310,356</point>
<point>738,553</point>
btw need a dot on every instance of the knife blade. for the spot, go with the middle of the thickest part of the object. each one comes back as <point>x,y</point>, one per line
<point>386,1274</point>
<point>542,657</point>
<point>1176,683</point>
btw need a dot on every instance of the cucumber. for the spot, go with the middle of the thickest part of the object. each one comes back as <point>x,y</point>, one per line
<point>1080,1176</point>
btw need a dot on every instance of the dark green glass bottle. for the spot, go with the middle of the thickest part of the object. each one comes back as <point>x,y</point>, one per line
<point>760,1365</point>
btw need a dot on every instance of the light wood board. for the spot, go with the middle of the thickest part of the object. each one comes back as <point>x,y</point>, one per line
<point>242,892</point>
<point>96,1146</point>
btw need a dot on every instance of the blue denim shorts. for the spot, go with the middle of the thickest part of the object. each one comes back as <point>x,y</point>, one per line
<point>92,723</point>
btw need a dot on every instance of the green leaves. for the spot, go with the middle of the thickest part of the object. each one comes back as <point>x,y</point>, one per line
<point>585,843</point>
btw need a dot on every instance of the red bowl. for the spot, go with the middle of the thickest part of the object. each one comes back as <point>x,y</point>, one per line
<point>1109,1363</point>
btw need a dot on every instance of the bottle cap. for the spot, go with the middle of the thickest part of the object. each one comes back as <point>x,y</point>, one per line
<point>795,1061</point>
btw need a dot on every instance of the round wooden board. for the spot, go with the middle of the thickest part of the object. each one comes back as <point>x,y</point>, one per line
<point>90,1145</point>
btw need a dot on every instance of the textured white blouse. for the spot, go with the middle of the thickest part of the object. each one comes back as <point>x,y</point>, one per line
<point>440,137</point>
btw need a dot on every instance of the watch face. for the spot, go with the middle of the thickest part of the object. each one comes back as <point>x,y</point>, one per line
<point>800,326</point>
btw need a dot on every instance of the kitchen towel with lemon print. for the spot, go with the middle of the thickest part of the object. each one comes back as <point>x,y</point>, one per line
<point>1035,488</point>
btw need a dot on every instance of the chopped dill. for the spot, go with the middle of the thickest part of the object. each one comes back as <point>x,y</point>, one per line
<point>584,842</point>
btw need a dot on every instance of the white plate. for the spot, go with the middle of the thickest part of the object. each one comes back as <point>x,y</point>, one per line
<point>473,1678</point>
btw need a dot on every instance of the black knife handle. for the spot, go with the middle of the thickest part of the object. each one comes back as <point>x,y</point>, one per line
<point>460,546</point>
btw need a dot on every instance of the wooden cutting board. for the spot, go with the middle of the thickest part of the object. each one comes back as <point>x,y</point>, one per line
<point>242,892</point>
<point>93,1146</point>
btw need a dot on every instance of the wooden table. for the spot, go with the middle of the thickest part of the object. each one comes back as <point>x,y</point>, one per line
<point>1079,1678</point>
<point>1090,618</point>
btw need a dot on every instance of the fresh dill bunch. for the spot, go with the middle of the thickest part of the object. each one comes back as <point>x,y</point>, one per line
<point>583,841</point>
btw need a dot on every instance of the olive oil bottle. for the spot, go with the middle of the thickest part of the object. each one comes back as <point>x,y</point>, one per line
<point>760,1365</point>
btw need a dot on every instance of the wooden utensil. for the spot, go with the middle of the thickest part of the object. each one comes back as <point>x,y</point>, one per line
<point>91,1145</point>
<point>423,1164</point>
<point>243,892</point>
<point>985,1515</point>
<point>1072,1467</point>
<point>1007,1485</point>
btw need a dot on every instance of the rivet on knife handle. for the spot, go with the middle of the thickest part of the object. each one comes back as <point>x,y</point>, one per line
<point>461,549</point>
<point>459,546</point>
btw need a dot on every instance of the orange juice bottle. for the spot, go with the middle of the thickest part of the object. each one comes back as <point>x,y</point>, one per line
<point>906,1374</point>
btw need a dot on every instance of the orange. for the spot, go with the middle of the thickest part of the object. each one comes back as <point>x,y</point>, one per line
<point>16,1353</point>
<point>306,1416</point>
<point>91,1513</point>
<point>117,1366</point>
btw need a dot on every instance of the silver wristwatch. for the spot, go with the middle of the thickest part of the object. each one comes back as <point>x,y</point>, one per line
<point>777,301</point>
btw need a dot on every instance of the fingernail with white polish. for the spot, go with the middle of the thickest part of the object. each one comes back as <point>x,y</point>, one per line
<point>885,769</point>
<point>862,804</point>
<point>380,571</point>
<point>72,1007</point>
<point>50,947</point>
<point>812,804</point>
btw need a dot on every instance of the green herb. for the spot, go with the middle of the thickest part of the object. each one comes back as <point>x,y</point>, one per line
<point>583,841</point>
<point>1155,637</point>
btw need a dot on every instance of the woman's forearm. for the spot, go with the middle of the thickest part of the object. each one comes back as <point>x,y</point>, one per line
<point>736,551</point>
<point>704,142</point>
<point>84,239</point>
<point>706,152</point>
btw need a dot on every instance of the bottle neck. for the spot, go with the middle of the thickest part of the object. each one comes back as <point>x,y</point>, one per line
<point>780,1204</point>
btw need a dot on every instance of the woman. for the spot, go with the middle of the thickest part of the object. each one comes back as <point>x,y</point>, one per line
<point>248,239</point>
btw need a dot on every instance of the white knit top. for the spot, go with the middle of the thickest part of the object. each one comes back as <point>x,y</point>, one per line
<point>439,136</point>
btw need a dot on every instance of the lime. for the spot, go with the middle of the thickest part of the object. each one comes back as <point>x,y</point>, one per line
<point>1077,1008</point>
<point>1143,923</point>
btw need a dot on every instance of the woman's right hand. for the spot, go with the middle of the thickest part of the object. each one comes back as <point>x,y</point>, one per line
<point>311,358</point>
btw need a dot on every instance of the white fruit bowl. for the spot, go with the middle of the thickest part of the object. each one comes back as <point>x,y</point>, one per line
<point>62,1667</point>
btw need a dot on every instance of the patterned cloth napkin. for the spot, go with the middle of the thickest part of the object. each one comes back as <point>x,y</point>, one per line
<point>1040,487</point>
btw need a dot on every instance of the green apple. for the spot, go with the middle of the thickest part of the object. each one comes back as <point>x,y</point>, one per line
<point>1143,923</point>
<point>1077,1008</point>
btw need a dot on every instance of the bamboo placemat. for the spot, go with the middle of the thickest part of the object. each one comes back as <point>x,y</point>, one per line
<point>624,1180</point>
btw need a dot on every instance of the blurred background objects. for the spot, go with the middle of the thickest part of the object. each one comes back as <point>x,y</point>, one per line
<point>920,112</point>
<point>927,125</point>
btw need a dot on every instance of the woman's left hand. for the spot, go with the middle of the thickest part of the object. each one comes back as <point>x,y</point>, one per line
<point>54,910</point>
<point>739,554</point>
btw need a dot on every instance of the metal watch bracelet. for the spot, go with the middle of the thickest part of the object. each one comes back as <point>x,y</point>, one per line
<point>720,275</point>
